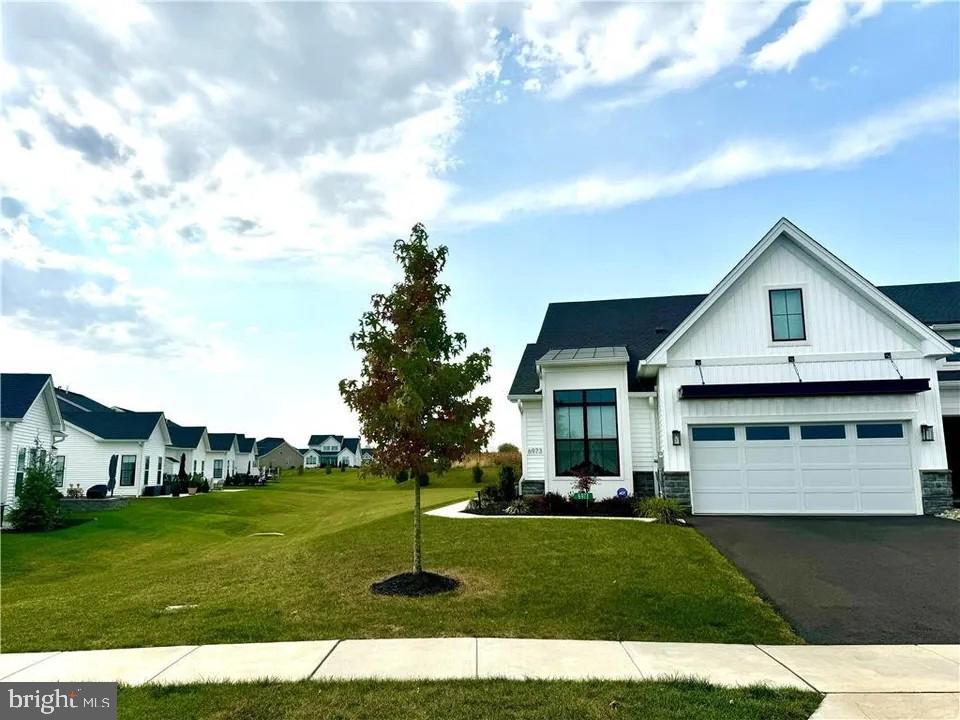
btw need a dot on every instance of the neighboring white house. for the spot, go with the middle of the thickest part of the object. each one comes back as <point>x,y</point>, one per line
<point>794,387</point>
<point>335,450</point>
<point>222,457</point>
<point>246,455</point>
<point>28,413</point>
<point>366,455</point>
<point>138,439</point>
<point>311,457</point>
<point>190,444</point>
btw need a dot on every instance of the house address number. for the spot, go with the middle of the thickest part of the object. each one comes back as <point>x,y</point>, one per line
<point>534,451</point>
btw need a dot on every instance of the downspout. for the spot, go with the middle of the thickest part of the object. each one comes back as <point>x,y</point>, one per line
<point>658,469</point>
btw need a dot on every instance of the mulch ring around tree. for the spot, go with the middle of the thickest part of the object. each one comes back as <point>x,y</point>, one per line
<point>415,585</point>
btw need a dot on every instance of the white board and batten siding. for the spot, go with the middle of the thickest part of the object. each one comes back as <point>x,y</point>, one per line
<point>846,338</point>
<point>36,423</point>
<point>643,441</point>
<point>531,433</point>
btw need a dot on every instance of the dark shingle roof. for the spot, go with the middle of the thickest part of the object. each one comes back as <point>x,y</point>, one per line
<point>268,444</point>
<point>317,439</point>
<point>221,442</point>
<point>930,302</point>
<point>641,324</point>
<point>351,444</point>
<point>245,444</point>
<point>184,437</point>
<point>112,425</point>
<point>72,402</point>
<point>18,391</point>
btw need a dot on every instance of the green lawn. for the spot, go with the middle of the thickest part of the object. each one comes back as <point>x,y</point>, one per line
<point>105,580</point>
<point>475,699</point>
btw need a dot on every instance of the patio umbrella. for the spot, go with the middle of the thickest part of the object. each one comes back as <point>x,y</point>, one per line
<point>112,482</point>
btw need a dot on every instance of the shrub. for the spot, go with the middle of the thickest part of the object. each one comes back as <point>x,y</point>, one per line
<point>327,470</point>
<point>402,477</point>
<point>508,483</point>
<point>665,510</point>
<point>423,479</point>
<point>300,470</point>
<point>97,492</point>
<point>203,485</point>
<point>612,507</point>
<point>491,493</point>
<point>584,482</point>
<point>343,468</point>
<point>477,474</point>
<point>38,502</point>
<point>556,504</point>
<point>518,507</point>
<point>507,448</point>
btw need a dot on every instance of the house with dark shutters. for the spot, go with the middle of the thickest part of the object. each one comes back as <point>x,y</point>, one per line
<point>795,386</point>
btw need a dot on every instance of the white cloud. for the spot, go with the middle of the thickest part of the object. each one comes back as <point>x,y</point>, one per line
<point>737,162</point>
<point>740,84</point>
<point>532,85</point>
<point>663,47</point>
<point>817,23</point>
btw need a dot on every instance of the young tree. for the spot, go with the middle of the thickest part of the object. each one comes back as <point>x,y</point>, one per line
<point>416,394</point>
<point>38,501</point>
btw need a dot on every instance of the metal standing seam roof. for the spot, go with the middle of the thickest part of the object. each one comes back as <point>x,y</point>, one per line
<point>590,353</point>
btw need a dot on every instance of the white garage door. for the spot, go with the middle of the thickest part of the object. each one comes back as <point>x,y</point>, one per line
<point>835,468</point>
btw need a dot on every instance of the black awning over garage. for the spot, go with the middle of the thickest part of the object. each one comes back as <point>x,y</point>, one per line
<point>726,391</point>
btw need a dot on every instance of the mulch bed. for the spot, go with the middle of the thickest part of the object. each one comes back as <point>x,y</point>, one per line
<point>415,585</point>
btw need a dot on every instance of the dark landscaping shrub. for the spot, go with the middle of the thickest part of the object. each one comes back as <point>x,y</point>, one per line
<point>508,483</point>
<point>97,492</point>
<point>518,507</point>
<point>203,486</point>
<point>665,510</point>
<point>612,507</point>
<point>327,470</point>
<point>38,502</point>
<point>477,474</point>
<point>402,477</point>
<point>343,468</point>
<point>557,504</point>
<point>491,493</point>
<point>300,470</point>
<point>423,479</point>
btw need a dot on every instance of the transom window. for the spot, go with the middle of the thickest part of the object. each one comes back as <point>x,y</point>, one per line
<point>768,432</point>
<point>585,430</point>
<point>786,315</point>
<point>713,433</point>
<point>128,467</point>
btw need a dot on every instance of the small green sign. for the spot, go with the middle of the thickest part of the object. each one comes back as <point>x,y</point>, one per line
<point>583,496</point>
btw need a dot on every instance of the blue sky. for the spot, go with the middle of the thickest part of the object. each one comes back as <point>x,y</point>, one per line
<point>199,200</point>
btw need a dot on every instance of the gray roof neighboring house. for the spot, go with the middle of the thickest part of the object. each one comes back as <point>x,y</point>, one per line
<point>318,439</point>
<point>221,442</point>
<point>115,426</point>
<point>184,437</point>
<point>18,391</point>
<point>245,444</point>
<point>351,444</point>
<point>269,444</point>
<point>641,324</point>
<point>71,402</point>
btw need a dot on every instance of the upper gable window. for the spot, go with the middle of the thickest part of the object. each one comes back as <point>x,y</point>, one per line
<point>786,314</point>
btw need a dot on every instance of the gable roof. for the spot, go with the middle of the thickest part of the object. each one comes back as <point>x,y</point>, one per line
<point>117,426</point>
<point>643,324</point>
<point>18,391</point>
<point>351,444</point>
<point>184,437</point>
<point>71,402</point>
<point>221,442</point>
<point>245,444</point>
<point>269,444</point>
<point>318,439</point>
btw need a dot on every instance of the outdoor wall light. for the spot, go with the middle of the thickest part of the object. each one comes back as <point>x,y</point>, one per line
<point>926,433</point>
<point>676,437</point>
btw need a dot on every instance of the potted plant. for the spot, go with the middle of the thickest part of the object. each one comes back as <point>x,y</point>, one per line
<point>193,486</point>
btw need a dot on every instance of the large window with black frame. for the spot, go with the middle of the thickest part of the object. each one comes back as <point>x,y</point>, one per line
<point>585,432</point>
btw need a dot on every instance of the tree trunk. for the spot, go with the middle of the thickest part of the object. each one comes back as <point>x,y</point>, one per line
<point>417,552</point>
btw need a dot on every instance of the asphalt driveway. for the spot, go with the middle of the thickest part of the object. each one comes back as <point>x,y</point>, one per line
<point>851,580</point>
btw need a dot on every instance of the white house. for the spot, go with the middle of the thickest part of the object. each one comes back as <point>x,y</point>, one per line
<point>28,413</point>
<point>138,439</point>
<point>793,387</point>
<point>246,455</point>
<point>311,457</point>
<point>191,445</point>
<point>335,450</point>
<point>222,457</point>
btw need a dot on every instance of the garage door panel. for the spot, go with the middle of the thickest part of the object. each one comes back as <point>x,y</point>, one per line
<point>781,479</point>
<point>883,454</point>
<point>718,456</point>
<point>765,454</point>
<point>886,502</point>
<point>721,503</point>
<point>843,471</point>
<point>730,479</point>
<point>767,502</point>
<point>818,453</point>
<point>830,502</point>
